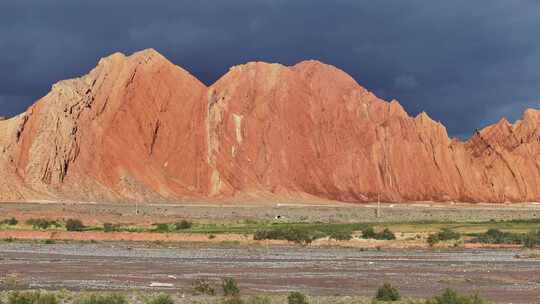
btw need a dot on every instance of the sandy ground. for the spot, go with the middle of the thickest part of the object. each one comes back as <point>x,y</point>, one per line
<point>92,213</point>
<point>496,274</point>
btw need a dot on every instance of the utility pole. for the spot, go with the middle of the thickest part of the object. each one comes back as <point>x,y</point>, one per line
<point>378,213</point>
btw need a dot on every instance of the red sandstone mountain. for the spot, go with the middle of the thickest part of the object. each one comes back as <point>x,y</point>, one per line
<point>139,128</point>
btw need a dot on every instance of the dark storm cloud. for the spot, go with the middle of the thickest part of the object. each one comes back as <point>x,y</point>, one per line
<point>466,63</point>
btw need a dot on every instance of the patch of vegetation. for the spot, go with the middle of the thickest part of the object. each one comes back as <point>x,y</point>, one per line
<point>341,235</point>
<point>102,298</point>
<point>445,234</point>
<point>387,293</point>
<point>32,297</point>
<point>305,233</point>
<point>161,298</point>
<point>259,299</point>
<point>230,287</point>
<point>232,300</point>
<point>74,225</point>
<point>290,234</point>
<point>42,223</point>
<point>109,227</point>
<point>296,297</point>
<point>449,296</point>
<point>496,236</point>
<point>183,225</point>
<point>162,227</point>
<point>10,222</point>
<point>368,233</point>
<point>202,286</point>
<point>385,234</point>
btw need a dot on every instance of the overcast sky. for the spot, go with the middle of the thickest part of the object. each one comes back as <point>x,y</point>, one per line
<point>466,63</point>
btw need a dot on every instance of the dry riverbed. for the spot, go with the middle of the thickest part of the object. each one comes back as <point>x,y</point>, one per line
<point>497,274</point>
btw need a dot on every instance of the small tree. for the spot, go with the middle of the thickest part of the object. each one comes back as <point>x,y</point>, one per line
<point>74,225</point>
<point>230,288</point>
<point>387,292</point>
<point>296,297</point>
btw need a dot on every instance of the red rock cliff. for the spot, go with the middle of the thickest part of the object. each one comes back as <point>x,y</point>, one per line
<point>139,128</point>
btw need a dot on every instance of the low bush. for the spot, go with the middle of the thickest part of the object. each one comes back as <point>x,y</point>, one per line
<point>368,233</point>
<point>385,234</point>
<point>202,286</point>
<point>182,225</point>
<point>230,287</point>
<point>161,298</point>
<point>291,234</point>
<point>296,297</point>
<point>42,223</point>
<point>74,225</point>
<point>162,227</point>
<point>450,296</point>
<point>445,234</point>
<point>31,297</point>
<point>495,236</point>
<point>108,227</point>
<point>102,298</point>
<point>11,222</point>
<point>387,293</point>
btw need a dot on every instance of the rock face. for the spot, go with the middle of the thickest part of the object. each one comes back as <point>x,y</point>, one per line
<point>139,128</point>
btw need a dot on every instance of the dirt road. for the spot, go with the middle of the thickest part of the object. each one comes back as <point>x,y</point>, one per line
<point>497,274</point>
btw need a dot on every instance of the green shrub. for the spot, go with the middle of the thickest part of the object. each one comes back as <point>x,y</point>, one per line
<point>204,287</point>
<point>386,234</point>
<point>11,222</point>
<point>445,234</point>
<point>103,298</point>
<point>230,288</point>
<point>531,239</point>
<point>163,227</point>
<point>433,239</point>
<point>495,236</point>
<point>387,292</point>
<point>42,223</point>
<point>296,297</point>
<point>32,297</point>
<point>450,296</point>
<point>161,298</point>
<point>108,227</point>
<point>182,225</point>
<point>291,234</point>
<point>368,233</point>
<point>74,225</point>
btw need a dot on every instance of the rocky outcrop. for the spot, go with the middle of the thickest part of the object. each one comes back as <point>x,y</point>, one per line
<point>139,128</point>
